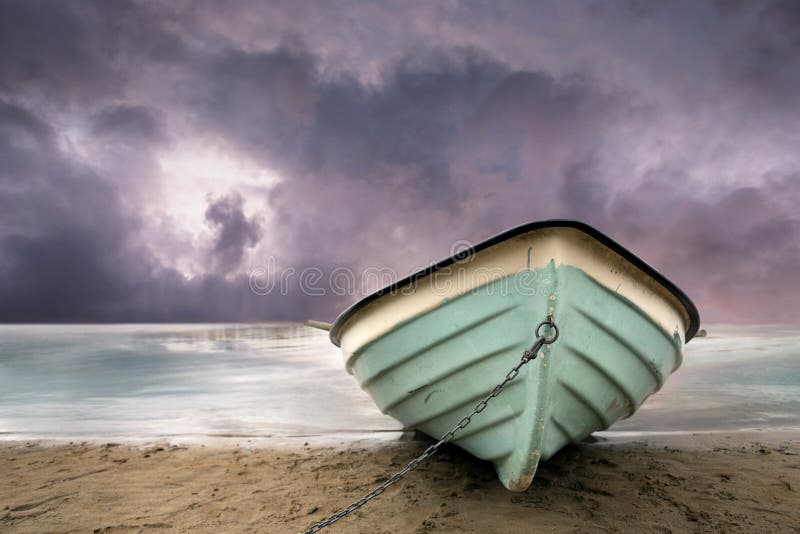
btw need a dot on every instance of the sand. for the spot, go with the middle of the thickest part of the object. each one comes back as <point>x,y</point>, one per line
<point>719,482</point>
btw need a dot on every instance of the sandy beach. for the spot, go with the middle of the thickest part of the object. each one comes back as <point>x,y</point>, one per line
<point>748,482</point>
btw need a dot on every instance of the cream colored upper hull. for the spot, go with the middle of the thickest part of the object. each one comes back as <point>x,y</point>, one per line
<point>526,252</point>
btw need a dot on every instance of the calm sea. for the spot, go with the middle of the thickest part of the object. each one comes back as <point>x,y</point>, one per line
<point>285,380</point>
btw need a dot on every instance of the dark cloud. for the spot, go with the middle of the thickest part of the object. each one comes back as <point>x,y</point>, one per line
<point>262,100</point>
<point>647,9</point>
<point>413,117</point>
<point>235,232</point>
<point>582,193</point>
<point>63,233</point>
<point>129,123</point>
<point>541,132</point>
<point>20,132</point>
<point>762,62</point>
<point>383,153</point>
<point>52,48</point>
<point>777,36</point>
<point>737,254</point>
<point>748,270</point>
<point>726,7</point>
<point>71,249</point>
<point>81,51</point>
<point>418,149</point>
<point>379,138</point>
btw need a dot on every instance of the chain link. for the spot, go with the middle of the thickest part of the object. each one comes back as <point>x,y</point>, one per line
<point>527,356</point>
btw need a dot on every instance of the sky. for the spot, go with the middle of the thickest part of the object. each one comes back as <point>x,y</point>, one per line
<point>156,156</point>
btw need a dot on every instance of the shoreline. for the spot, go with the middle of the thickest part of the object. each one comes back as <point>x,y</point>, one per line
<point>379,438</point>
<point>734,481</point>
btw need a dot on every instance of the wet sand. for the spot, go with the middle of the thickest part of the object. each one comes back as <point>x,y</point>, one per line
<point>716,482</point>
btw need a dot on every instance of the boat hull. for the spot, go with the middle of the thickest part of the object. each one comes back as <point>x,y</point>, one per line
<point>427,365</point>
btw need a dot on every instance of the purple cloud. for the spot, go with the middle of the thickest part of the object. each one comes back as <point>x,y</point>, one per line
<point>235,232</point>
<point>152,156</point>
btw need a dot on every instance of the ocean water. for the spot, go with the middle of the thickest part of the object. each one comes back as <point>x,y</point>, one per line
<point>740,377</point>
<point>151,381</point>
<point>287,381</point>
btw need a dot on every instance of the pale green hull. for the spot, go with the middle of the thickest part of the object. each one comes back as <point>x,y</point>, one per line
<point>429,371</point>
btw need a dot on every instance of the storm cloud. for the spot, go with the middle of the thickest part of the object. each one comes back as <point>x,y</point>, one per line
<point>153,156</point>
<point>235,232</point>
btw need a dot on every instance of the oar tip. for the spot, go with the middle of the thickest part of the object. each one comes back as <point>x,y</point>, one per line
<point>318,325</point>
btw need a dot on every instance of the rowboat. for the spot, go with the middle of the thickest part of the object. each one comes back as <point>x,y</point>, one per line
<point>427,347</point>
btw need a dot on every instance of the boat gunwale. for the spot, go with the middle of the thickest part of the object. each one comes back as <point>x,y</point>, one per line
<point>636,261</point>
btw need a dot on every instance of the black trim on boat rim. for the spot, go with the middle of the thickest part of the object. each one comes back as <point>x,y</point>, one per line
<point>688,305</point>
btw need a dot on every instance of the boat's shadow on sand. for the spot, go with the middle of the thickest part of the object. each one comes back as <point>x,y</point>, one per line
<point>629,486</point>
